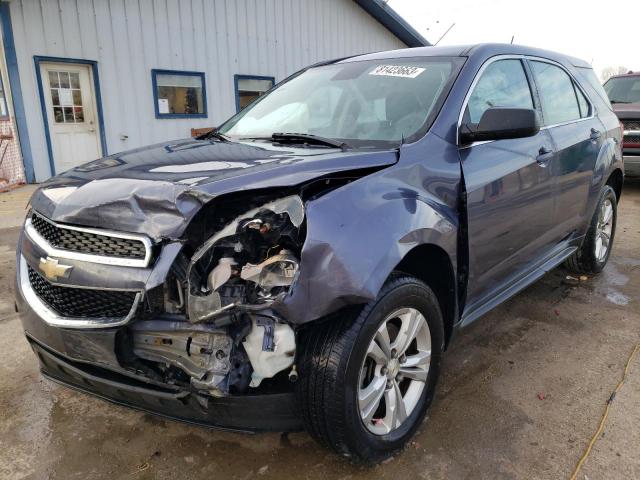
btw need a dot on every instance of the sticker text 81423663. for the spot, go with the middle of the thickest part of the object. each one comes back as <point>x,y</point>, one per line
<point>405,71</point>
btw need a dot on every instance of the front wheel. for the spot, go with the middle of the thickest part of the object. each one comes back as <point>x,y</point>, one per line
<point>595,250</point>
<point>366,382</point>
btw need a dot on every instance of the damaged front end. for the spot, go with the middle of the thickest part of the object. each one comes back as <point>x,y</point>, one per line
<point>219,335</point>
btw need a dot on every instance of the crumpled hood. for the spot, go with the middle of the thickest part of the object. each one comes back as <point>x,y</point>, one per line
<point>156,190</point>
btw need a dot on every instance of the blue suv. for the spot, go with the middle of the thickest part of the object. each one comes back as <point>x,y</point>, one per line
<point>306,264</point>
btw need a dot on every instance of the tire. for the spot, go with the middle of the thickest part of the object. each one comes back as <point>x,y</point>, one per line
<point>586,259</point>
<point>334,356</point>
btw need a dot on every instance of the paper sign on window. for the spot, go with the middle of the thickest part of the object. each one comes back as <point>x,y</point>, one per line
<point>66,97</point>
<point>163,105</point>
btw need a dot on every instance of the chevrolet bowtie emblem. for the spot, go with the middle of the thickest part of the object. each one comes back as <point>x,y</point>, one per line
<point>52,269</point>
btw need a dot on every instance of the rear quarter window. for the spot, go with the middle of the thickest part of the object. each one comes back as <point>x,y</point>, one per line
<point>588,77</point>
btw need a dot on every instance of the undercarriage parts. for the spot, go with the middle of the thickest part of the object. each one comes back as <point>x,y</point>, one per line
<point>204,356</point>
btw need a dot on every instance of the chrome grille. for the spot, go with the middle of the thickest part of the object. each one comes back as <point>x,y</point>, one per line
<point>88,242</point>
<point>74,302</point>
<point>633,126</point>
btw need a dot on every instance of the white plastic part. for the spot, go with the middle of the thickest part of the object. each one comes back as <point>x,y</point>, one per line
<point>267,364</point>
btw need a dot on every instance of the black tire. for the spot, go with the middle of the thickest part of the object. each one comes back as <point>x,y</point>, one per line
<point>584,260</point>
<point>331,356</point>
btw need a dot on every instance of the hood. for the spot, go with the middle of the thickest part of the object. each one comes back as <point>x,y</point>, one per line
<point>156,190</point>
<point>627,111</point>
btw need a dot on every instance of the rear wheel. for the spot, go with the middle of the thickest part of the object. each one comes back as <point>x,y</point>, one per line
<point>595,250</point>
<point>366,383</point>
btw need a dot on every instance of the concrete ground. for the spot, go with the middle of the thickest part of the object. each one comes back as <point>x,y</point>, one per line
<point>522,393</point>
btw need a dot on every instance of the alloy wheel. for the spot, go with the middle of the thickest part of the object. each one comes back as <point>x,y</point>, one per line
<point>603,230</point>
<point>394,371</point>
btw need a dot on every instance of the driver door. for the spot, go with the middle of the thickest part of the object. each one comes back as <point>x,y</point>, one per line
<point>510,188</point>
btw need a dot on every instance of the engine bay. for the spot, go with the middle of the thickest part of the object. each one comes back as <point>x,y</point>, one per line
<point>218,335</point>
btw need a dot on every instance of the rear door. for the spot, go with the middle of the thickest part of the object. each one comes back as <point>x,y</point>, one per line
<point>577,135</point>
<point>510,189</point>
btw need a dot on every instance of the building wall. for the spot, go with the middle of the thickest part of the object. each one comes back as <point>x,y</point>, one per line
<point>128,38</point>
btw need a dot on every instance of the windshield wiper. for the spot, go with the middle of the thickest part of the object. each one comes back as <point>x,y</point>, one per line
<point>214,134</point>
<point>619,101</point>
<point>307,138</point>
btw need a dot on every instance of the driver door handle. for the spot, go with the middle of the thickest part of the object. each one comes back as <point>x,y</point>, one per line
<point>544,155</point>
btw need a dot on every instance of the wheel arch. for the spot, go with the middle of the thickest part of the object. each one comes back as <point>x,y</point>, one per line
<point>431,264</point>
<point>615,181</point>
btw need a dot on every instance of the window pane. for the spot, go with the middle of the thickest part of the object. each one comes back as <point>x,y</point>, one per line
<point>180,94</point>
<point>77,97</point>
<point>64,79</point>
<point>57,113</point>
<point>68,115</point>
<point>251,88</point>
<point>623,89</point>
<point>75,80</point>
<point>503,84</point>
<point>55,98</point>
<point>559,103</point>
<point>583,103</point>
<point>79,114</point>
<point>53,79</point>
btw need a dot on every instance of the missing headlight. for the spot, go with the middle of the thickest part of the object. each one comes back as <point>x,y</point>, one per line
<point>251,261</point>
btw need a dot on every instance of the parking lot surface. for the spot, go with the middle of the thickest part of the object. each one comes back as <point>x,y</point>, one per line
<point>522,393</point>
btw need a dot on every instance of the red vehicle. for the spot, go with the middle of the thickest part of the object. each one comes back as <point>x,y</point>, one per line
<point>624,93</point>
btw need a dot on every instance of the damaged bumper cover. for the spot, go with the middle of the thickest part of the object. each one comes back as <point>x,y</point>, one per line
<point>246,413</point>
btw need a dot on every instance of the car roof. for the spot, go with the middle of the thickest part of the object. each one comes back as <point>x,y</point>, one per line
<point>623,75</point>
<point>486,50</point>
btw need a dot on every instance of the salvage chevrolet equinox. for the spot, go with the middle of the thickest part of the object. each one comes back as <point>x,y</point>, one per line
<point>306,264</point>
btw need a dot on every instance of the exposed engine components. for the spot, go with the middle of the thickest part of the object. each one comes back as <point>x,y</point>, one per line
<point>276,271</point>
<point>247,264</point>
<point>229,340</point>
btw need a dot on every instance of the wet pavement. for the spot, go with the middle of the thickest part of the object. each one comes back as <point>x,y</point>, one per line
<point>522,393</point>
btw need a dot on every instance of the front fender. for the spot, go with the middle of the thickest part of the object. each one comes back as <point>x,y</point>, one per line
<point>358,234</point>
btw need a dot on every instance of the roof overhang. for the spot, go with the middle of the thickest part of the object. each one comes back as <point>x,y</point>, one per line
<point>397,25</point>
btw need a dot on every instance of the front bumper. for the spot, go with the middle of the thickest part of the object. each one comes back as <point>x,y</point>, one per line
<point>248,413</point>
<point>85,359</point>
<point>632,161</point>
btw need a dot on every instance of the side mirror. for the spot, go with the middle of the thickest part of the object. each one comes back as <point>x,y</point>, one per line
<point>500,123</point>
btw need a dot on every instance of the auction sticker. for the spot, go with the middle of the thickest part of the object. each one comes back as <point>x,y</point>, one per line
<point>404,71</point>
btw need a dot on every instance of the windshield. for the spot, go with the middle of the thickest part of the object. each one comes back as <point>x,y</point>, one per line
<point>365,103</point>
<point>623,89</point>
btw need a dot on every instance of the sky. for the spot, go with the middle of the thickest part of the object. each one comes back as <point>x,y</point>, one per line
<point>598,32</point>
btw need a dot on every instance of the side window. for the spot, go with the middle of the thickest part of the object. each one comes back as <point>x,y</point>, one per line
<point>250,87</point>
<point>583,103</point>
<point>503,84</point>
<point>557,93</point>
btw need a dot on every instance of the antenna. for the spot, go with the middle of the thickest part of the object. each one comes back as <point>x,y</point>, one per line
<point>512,37</point>
<point>448,29</point>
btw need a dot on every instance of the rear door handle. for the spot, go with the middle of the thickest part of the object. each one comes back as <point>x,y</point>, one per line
<point>544,155</point>
<point>595,134</point>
